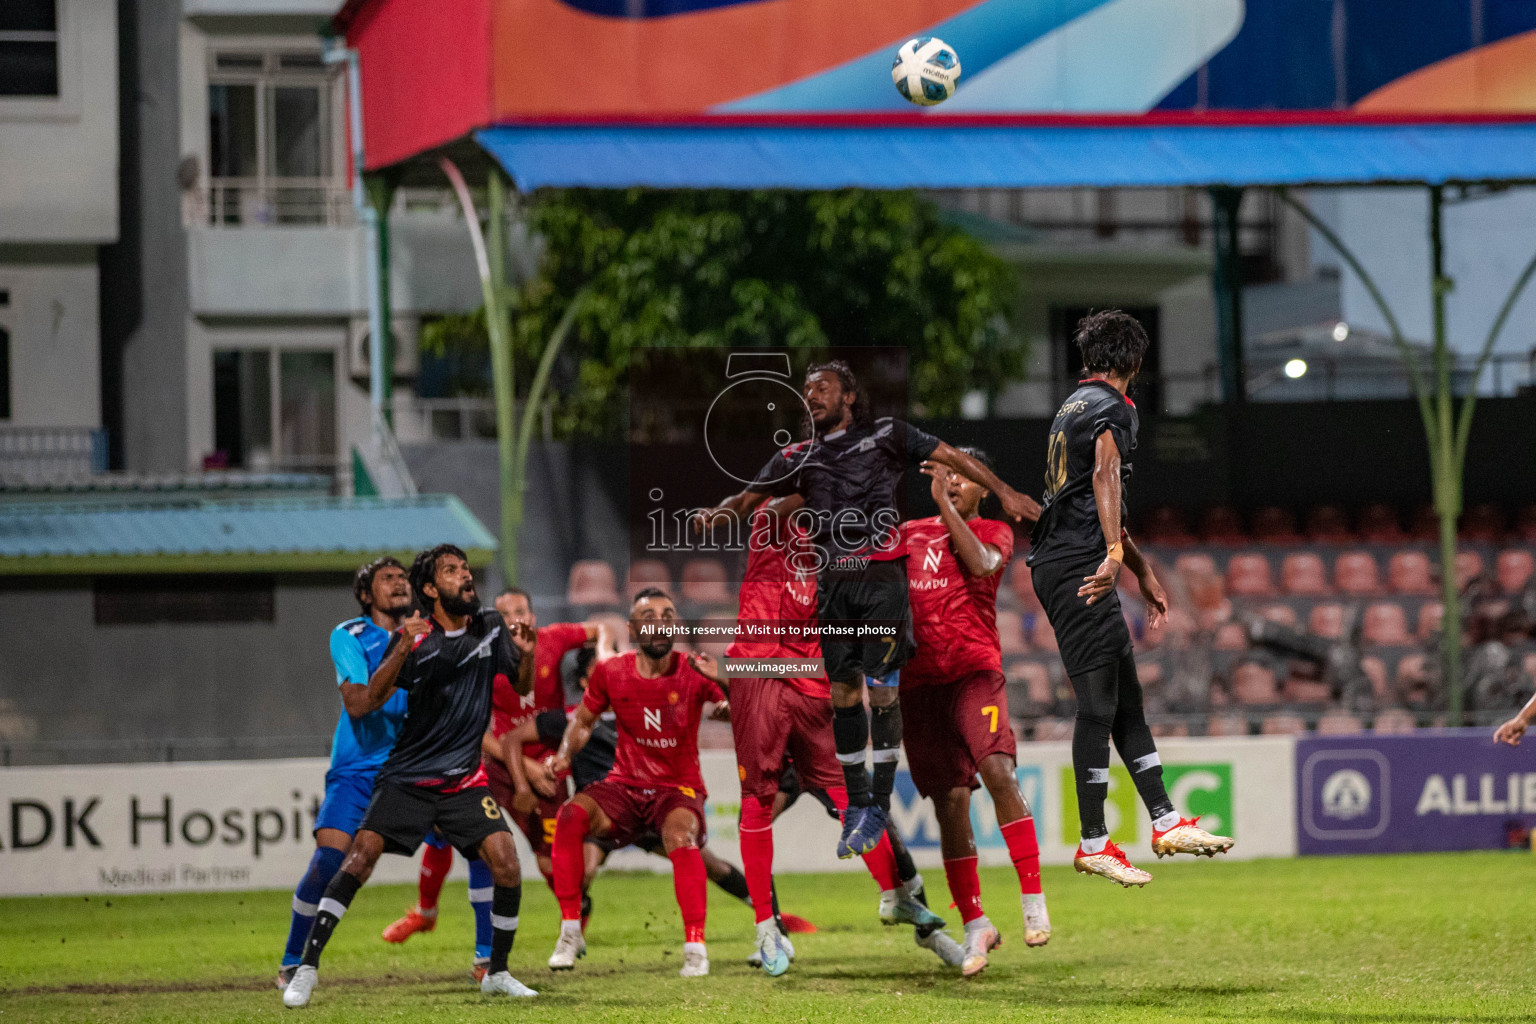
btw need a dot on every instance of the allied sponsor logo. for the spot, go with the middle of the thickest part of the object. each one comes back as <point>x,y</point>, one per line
<point>1346,794</point>
<point>1197,790</point>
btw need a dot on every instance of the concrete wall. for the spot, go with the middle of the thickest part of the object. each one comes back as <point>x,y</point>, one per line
<point>58,157</point>
<point>52,318</point>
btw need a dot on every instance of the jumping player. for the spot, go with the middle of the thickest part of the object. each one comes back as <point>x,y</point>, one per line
<point>957,703</point>
<point>1076,553</point>
<point>656,784</point>
<point>772,717</point>
<point>433,777</point>
<point>849,472</point>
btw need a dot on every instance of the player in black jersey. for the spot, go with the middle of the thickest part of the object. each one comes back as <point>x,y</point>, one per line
<point>447,665</point>
<point>849,473</point>
<point>1076,552</point>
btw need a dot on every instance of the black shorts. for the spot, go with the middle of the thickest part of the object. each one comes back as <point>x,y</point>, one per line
<point>876,596</point>
<point>1090,636</point>
<point>403,814</point>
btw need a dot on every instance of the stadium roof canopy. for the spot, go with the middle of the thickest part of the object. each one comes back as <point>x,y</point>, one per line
<point>274,535</point>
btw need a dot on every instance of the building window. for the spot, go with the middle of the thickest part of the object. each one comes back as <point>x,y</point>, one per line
<point>29,48</point>
<point>275,146</point>
<point>274,409</point>
<point>142,600</point>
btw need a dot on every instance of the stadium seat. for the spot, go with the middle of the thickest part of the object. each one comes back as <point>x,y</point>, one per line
<point>1469,566</point>
<point>1483,524</point>
<point>1379,525</point>
<point>1230,636</point>
<point>1282,724</point>
<point>1514,569</point>
<point>1210,605</point>
<point>1327,524</point>
<point>1355,573</point>
<point>618,628</point>
<point>1041,636</point>
<point>592,583</point>
<point>1220,524</point>
<point>1430,615</point>
<point>1023,589</point>
<point>1305,690</point>
<point>1254,683</point>
<point>1010,633</point>
<point>1165,525</point>
<point>1304,575</point>
<point>1525,523</point>
<point>1385,625</point>
<point>1195,563</point>
<point>1280,615</point>
<point>1339,723</point>
<point>1410,573</point>
<point>1248,575</point>
<point>1057,730</point>
<point>1274,525</point>
<point>1035,679</point>
<point>1412,673</point>
<point>1226,725</point>
<point>1376,671</point>
<point>1161,729</point>
<point>1394,722</point>
<point>704,582</point>
<point>647,572</point>
<point>1326,620</point>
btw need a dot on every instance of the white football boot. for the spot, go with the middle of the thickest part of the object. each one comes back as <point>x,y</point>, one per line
<point>300,987</point>
<point>570,947</point>
<point>695,960</point>
<point>503,984</point>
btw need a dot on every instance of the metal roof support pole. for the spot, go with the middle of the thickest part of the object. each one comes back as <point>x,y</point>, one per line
<point>1227,282</point>
<point>1444,464</point>
<point>380,186</point>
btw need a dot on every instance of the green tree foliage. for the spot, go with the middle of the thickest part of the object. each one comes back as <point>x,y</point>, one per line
<point>740,269</point>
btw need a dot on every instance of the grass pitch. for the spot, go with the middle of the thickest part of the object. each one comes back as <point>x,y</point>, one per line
<point>1427,938</point>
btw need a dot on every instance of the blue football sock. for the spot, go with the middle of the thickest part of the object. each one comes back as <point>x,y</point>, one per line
<point>481,889</point>
<point>306,898</point>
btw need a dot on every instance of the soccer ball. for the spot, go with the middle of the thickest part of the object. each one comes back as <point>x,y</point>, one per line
<point>925,70</point>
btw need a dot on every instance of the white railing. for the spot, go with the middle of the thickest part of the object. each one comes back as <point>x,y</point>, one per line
<point>243,202</point>
<point>444,419</point>
<point>46,454</point>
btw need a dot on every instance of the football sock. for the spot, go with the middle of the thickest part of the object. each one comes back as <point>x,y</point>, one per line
<point>881,861</point>
<point>688,884</point>
<point>1093,844</point>
<point>1024,851</point>
<point>586,909</point>
<point>505,903</point>
<point>570,833</point>
<point>481,894</point>
<point>1166,822</point>
<point>964,886</point>
<point>850,734</point>
<point>885,734</point>
<point>906,870</point>
<point>323,864</point>
<point>1134,742</point>
<point>337,898</point>
<point>757,855</point>
<point>1098,697</point>
<point>734,883</point>
<point>436,862</point>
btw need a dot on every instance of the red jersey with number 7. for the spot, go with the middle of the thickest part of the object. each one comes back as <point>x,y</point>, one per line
<point>657,720</point>
<point>954,614</point>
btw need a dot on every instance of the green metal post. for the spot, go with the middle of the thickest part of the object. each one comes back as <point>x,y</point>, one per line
<point>381,186</point>
<point>1445,463</point>
<point>1227,281</point>
<point>499,328</point>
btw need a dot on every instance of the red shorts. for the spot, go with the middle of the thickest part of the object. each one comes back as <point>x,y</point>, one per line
<point>538,827</point>
<point>770,718</point>
<point>948,728</point>
<point>635,811</point>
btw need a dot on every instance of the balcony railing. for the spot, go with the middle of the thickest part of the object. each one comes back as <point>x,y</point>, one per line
<point>45,454</point>
<point>240,202</point>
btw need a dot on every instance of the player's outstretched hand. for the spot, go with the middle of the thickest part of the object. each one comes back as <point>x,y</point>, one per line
<point>939,487</point>
<point>1510,732</point>
<point>1157,600</point>
<point>558,763</point>
<point>540,777</point>
<point>524,802</point>
<point>1102,582</point>
<point>705,665</point>
<point>1019,507</point>
<point>414,626</point>
<point>523,637</point>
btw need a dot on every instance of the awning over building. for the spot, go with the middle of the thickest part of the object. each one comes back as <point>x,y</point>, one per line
<point>303,535</point>
<point>1010,152</point>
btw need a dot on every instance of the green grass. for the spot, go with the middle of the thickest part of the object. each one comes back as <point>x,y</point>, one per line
<point>1427,938</point>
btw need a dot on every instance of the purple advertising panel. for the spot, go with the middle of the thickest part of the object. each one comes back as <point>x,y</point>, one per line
<point>1447,789</point>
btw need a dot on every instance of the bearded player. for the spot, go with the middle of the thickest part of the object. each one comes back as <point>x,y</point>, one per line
<point>656,784</point>
<point>1076,553</point>
<point>775,716</point>
<point>850,474</point>
<point>957,703</point>
<point>433,778</point>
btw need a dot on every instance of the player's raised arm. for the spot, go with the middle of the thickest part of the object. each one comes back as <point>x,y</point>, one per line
<point>1107,497</point>
<point>511,754</point>
<point>1151,590</point>
<point>387,675</point>
<point>514,648</point>
<point>978,557</point>
<point>1016,506</point>
<point>737,507</point>
<point>576,735</point>
<point>1513,730</point>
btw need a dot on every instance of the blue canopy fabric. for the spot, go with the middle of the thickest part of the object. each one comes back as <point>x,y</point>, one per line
<point>955,152</point>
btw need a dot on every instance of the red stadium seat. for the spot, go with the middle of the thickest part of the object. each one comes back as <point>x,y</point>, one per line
<point>1254,683</point>
<point>1394,722</point>
<point>1248,575</point>
<point>1339,723</point>
<point>1430,615</point>
<point>1226,725</point>
<point>1469,566</point>
<point>1010,633</point>
<point>1165,525</point>
<point>1386,625</point>
<point>1304,576</point>
<point>592,583</point>
<point>1220,524</point>
<point>1280,614</point>
<point>647,572</point>
<point>1514,569</point>
<point>1410,573</point>
<point>1274,525</point>
<point>1376,671</point>
<point>1355,573</point>
<point>1305,690</point>
<point>1042,637</point>
<point>1327,524</point>
<point>1057,730</point>
<point>1193,563</point>
<point>1230,636</point>
<point>1162,729</point>
<point>1379,525</point>
<point>1023,589</point>
<point>1035,679</point>
<point>1326,620</point>
<point>704,582</point>
<point>618,628</point>
<point>1283,724</point>
<point>1483,524</point>
<point>1412,674</point>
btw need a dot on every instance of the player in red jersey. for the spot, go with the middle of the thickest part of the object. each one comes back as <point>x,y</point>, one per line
<point>535,816</point>
<point>775,716</point>
<point>956,703</point>
<point>658,698</point>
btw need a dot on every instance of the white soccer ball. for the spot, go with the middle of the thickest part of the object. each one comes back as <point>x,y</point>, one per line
<point>925,70</point>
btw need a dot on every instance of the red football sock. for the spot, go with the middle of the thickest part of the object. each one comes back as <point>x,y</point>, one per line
<point>1024,850</point>
<point>757,854</point>
<point>964,886</point>
<point>435,864</point>
<point>570,832</point>
<point>881,861</point>
<point>688,882</point>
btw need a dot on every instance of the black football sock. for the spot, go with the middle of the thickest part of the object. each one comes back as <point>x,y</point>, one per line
<point>885,732</point>
<point>586,906</point>
<point>850,734</point>
<point>506,901</point>
<point>735,883</point>
<point>1090,763</point>
<point>337,898</point>
<point>906,870</point>
<point>1134,742</point>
